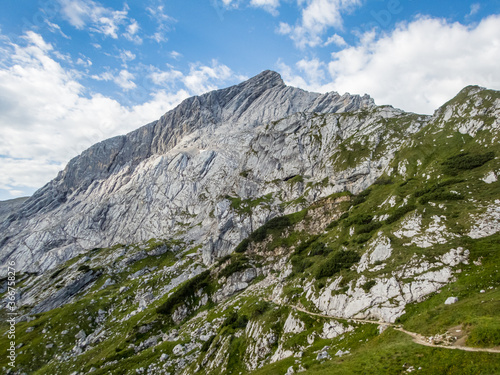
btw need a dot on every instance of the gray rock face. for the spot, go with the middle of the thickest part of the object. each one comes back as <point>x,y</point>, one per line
<point>175,175</point>
<point>10,207</point>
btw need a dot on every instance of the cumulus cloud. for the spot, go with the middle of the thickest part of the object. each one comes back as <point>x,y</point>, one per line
<point>126,56</point>
<point>131,33</point>
<point>200,78</point>
<point>87,13</point>
<point>335,39</point>
<point>417,67</point>
<point>317,17</point>
<point>422,64</point>
<point>48,117</point>
<point>123,79</point>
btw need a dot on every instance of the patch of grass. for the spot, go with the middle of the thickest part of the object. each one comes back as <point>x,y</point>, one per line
<point>485,335</point>
<point>300,264</point>
<point>246,206</point>
<point>258,309</point>
<point>294,180</point>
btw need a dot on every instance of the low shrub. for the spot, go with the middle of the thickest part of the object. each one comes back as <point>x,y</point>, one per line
<point>185,292</point>
<point>465,161</point>
<point>57,273</point>
<point>206,345</point>
<point>236,265</point>
<point>437,186</point>
<point>305,245</point>
<point>362,238</point>
<point>300,264</point>
<point>342,259</point>
<point>359,219</point>
<point>84,268</point>
<point>243,246</point>
<point>235,321</point>
<point>319,248</point>
<point>400,212</point>
<point>440,196</point>
<point>361,197</point>
<point>383,180</point>
<point>368,228</point>
<point>258,309</point>
<point>368,285</point>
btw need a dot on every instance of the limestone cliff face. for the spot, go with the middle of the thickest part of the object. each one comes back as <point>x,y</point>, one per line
<point>152,182</point>
<point>191,174</point>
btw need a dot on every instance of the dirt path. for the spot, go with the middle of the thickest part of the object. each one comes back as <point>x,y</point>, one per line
<point>417,338</point>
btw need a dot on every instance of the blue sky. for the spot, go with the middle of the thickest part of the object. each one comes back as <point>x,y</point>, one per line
<point>74,72</point>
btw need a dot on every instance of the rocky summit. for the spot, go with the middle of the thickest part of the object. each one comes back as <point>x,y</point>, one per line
<point>265,229</point>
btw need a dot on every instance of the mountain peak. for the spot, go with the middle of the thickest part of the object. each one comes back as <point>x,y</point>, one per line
<point>267,77</point>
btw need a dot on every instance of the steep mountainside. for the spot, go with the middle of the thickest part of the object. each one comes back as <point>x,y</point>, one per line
<point>263,229</point>
<point>165,177</point>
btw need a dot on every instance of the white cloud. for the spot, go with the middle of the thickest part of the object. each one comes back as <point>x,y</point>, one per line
<point>163,20</point>
<point>131,34</point>
<point>47,116</point>
<point>417,67</point>
<point>474,9</point>
<point>284,28</point>
<point>125,80</point>
<point>175,55</point>
<point>86,62</point>
<point>56,28</point>
<point>200,79</point>
<point>270,6</point>
<point>126,56</point>
<point>133,28</point>
<point>169,77</point>
<point>335,39</point>
<point>307,74</point>
<point>422,64</point>
<point>83,13</point>
<point>317,17</point>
